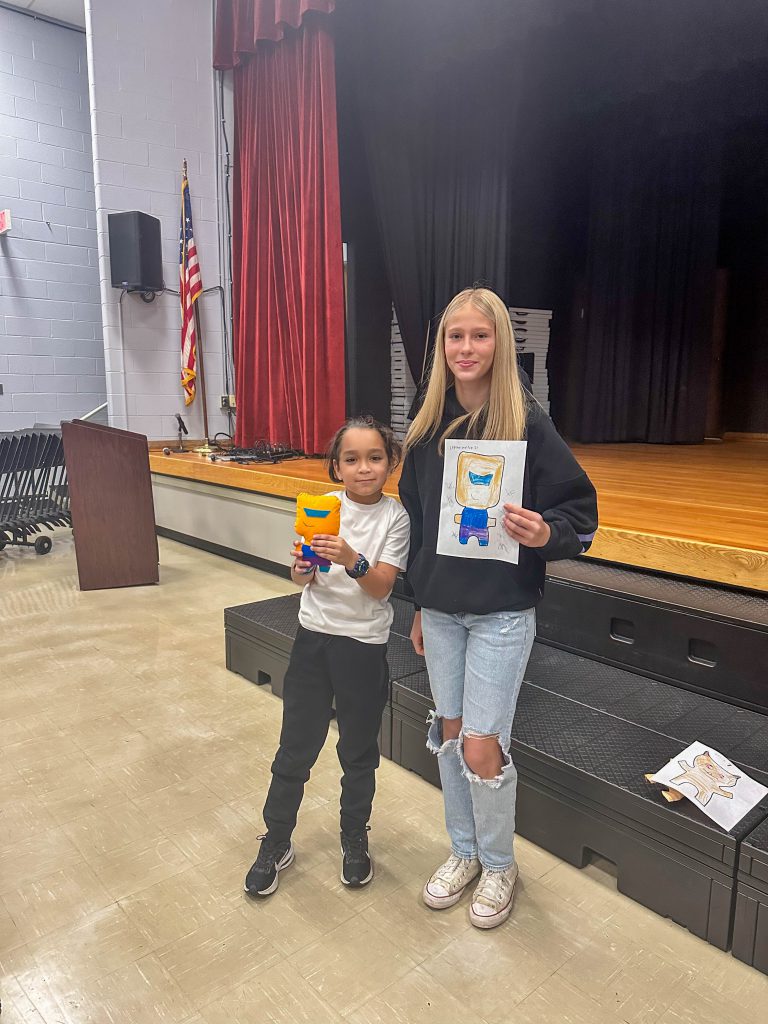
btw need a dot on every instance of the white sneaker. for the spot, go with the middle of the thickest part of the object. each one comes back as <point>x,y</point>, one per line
<point>492,900</point>
<point>449,881</point>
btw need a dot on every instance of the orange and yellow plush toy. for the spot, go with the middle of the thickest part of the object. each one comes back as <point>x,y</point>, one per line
<point>316,513</point>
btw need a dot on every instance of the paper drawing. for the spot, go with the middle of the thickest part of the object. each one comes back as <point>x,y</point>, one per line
<point>707,777</point>
<point>710,781</point>
<point>479,478</point>
<point>478,488</point>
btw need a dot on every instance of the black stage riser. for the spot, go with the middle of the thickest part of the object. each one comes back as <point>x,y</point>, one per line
<point>584,733</point>
<point>750,927</point>
<point>711,654</point>
<point>601,697</point>
<point>649,872</point>
<point>410,710</point>
<point>259,638</point>
<point>677,872</point>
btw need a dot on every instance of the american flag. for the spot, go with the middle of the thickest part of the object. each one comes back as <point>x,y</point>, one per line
<point>190,288</point>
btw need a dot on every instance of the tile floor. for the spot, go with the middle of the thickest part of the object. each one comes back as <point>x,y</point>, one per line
<point>132,777</point>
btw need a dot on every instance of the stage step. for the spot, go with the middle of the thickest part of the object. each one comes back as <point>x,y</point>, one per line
<point>750,927</point>
<point>699,637</point>
<point>584,734</point>
<point>581,790</point>
<point>609,697</point>
<point>681,715</point>
<point>259,637</point>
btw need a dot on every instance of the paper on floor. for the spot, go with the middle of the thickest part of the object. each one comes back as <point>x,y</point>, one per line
<point>722,791</point>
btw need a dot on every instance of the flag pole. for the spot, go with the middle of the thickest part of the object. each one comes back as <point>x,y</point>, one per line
<point>206,448</point>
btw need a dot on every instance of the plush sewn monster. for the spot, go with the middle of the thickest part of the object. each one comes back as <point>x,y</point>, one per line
<point>316,513</point>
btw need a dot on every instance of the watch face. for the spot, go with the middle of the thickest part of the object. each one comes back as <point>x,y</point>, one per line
<point>360,568</point>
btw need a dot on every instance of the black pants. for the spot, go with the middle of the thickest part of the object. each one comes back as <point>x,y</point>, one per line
<point>322,668</point>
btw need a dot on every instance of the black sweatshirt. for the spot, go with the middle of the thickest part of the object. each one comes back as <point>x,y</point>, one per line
<point>554,484</point>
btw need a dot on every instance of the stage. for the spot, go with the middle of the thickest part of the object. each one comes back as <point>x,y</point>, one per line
<point>698,511</point>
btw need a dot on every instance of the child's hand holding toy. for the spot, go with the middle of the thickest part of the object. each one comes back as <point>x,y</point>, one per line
<point>334,549</point>
<point>300,565</point>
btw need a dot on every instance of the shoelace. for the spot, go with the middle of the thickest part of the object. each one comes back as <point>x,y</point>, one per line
<point>269,853</point>
<point>450,869</point>
<point>494,888</point>
<point>355,846</point>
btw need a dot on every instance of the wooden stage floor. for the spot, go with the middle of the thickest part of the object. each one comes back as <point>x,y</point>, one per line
<point>699,511</point>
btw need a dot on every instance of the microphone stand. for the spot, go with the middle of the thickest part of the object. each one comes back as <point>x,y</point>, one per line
<point>182,430</point>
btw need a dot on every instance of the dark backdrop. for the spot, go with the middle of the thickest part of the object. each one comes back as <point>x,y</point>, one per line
<point>572,155</point>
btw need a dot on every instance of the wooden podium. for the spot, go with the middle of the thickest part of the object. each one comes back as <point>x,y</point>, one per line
<point>113,515</point>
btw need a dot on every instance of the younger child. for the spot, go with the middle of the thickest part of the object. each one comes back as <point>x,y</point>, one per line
<point>339,653</point>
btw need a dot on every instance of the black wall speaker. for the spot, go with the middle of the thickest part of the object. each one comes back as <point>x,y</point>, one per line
<point>135,251</point>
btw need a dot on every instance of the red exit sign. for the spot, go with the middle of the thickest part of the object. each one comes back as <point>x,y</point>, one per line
<point>5,221</point>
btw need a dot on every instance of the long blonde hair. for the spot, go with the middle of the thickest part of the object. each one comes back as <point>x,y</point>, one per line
<point>503,415</point>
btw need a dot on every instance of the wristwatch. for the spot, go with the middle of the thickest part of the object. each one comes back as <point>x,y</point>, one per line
<point>360,568</point>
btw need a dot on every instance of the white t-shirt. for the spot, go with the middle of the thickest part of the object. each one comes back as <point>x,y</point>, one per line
<point>335,603</point>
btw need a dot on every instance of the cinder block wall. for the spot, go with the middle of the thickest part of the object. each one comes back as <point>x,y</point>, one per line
<point>51,349</point>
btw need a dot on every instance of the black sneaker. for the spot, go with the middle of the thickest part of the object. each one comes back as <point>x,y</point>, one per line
<point>262,879</point>
<point>356,864</point>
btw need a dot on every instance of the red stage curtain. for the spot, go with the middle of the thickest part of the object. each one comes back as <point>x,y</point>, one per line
<point>288,274</point>
<point>241,24</point>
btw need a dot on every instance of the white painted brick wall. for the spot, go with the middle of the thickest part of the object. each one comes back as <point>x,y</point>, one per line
<point>152,103</point>
<point>51,353</point>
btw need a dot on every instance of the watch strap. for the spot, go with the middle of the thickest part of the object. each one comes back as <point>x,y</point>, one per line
<point>360,568</point>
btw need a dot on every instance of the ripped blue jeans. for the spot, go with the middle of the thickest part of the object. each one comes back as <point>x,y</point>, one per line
<point>476,665</point>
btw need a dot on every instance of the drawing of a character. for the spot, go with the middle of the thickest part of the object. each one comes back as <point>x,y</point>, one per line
<point>708,778</point>
<point>316,513</point>
<point>478,488</point>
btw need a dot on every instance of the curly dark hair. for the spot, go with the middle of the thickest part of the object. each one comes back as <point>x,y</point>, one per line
<point>392,446</point>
